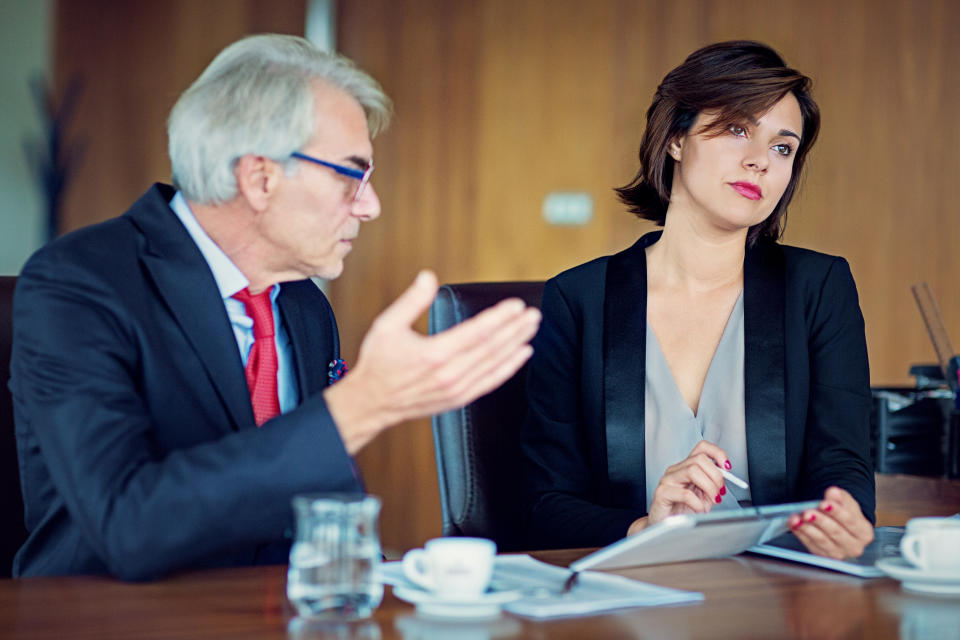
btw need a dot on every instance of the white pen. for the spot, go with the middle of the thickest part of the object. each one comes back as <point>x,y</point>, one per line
<point>734,479</point>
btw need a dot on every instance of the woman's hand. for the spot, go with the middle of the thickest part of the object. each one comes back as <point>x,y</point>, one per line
<point>838,529</point>
<point>693,485</point>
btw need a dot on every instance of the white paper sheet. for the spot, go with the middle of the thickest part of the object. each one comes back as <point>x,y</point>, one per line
<point>541,585</point>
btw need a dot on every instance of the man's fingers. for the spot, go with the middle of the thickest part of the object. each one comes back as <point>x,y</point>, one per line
<point>432,399</point>
<point>468,361</point>
<point>421,375</point>
<point>456,357</point>
<point>412,303</point>
<point>497,377</point>
<point>487,365</point>
<point>478,329</point>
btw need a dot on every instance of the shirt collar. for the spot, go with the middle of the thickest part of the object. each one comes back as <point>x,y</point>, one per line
<point>228,276</point>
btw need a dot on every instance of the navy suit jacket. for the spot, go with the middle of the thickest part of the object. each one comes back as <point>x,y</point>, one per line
<point>139,454</point>
<point>807,390</point>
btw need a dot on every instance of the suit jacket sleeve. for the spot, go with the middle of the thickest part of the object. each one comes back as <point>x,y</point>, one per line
<point>560,442</point>
<point>81,368</point>
<point>837,438</point>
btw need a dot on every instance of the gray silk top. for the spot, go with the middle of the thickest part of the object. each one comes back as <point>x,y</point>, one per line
<point>672,430</point>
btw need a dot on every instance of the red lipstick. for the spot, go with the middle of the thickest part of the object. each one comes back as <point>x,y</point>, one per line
<point>748,190</point>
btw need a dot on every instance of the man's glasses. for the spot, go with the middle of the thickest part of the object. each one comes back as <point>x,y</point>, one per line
<point>350,172</point>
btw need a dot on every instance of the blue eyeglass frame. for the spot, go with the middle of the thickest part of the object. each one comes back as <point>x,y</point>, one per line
<point>350,172</point>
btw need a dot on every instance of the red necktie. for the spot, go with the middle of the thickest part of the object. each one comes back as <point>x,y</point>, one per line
<point>261,367</point>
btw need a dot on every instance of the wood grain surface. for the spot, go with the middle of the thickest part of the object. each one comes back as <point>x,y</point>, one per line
<point>745,597</point>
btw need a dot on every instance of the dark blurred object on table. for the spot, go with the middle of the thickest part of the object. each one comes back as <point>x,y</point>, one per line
<point>914,430</point>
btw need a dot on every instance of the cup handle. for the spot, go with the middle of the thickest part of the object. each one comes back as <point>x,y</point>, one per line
<point>910,548</point>
<point>414,568</point>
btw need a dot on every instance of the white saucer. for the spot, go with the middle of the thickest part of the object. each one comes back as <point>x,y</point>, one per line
<point>914,579</point>
<point>416,626</point>
<point>483,607</point>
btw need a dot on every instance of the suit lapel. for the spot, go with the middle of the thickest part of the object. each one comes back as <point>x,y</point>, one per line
<point>312,333</point>
<point>624,381</point>
<point>185,283</point>
<point>765,371</point>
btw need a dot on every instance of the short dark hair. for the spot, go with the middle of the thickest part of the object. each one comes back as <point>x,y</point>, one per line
<point>738,79</point>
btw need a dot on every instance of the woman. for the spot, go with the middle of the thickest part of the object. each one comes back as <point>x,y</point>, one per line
<point>707,344</point>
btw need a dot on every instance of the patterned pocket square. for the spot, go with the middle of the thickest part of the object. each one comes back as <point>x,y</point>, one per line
<point>336,370</point>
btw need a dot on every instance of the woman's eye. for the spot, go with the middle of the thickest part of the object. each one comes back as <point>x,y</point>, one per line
<point>737,130</point>
<point>783,149</point>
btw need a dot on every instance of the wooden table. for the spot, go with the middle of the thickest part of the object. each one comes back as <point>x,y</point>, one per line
<point>745,597</point>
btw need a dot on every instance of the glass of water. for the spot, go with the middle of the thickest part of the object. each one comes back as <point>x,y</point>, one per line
<point>335,555</point>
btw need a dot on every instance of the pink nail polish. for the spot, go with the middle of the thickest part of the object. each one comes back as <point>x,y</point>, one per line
<point>828,508</point>
<point>718,499</point>
<point>727,465</point>
<point>723,491</point>
<point>812,517</point>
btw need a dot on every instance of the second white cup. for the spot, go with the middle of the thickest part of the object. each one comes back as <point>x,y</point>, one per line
<point>452,567</point>
<point>932,544</point>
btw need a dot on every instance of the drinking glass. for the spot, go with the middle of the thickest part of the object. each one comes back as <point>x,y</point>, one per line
<point>334,557</point>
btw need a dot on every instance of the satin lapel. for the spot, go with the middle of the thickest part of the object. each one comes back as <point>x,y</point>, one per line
<point>624,363</point>
<point>187,286</point>
<point>311,333</point>
<point>765,371</point>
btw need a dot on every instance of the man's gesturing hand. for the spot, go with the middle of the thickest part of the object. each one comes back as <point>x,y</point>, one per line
<point>401,374</point>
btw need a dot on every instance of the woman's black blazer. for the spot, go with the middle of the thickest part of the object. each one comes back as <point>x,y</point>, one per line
<point>807,390</point>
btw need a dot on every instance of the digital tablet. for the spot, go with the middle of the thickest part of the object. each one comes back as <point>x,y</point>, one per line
<point>695,536</point>
<point>886,544</point>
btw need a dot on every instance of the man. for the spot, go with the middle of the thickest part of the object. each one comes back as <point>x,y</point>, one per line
<point>170,366</point>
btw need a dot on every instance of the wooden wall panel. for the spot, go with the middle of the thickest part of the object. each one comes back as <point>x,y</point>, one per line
<point>134,59</point>
<point>542,132</point>
<point>878,191</point>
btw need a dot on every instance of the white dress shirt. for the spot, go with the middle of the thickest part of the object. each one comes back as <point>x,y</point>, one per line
<point>230,280</point>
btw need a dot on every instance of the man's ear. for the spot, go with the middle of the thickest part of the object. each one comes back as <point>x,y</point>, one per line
<point>257,180</point>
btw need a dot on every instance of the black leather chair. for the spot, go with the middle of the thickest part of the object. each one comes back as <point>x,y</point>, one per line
<point>478,452</point>
<point>12,531</point>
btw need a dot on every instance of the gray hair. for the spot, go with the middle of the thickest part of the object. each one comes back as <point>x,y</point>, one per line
<point>256,97</point>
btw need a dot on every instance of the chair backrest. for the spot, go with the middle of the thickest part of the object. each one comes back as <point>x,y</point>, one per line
<point>12,531</point>
<point>477,447</point>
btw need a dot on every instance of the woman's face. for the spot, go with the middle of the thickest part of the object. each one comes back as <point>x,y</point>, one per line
<point>733,180</point>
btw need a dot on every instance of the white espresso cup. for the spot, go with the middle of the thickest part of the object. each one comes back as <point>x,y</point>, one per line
<point>932,544</point>
<point>452,567</point>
